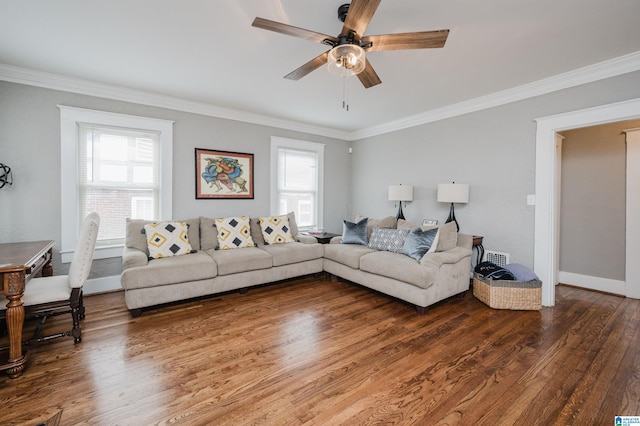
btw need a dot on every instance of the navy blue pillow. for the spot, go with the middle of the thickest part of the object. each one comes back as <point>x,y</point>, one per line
<point>419,242</point>
<point>354,233</point>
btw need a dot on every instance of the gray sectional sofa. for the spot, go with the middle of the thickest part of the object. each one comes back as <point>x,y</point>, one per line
<point>208,270</point>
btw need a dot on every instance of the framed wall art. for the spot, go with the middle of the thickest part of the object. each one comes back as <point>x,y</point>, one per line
<point>223,174</point>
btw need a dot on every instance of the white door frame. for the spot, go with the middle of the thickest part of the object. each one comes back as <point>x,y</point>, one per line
<point>546,236</point>
<point>632,267</point>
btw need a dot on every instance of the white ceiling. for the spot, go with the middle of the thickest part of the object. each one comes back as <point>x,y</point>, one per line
<point>206,51</point>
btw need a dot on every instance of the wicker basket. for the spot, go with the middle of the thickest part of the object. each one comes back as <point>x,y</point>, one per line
<point>507,294</point>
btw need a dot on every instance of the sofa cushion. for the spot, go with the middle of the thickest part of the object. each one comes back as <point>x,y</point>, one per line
<point>286,254</point>
<point>234,232</point>
<point>234,261</point>
<point>446,239</point>
<point>388,239</point>
<point>293,224</point>
<point>276,229</point>
<point>347,254</point>
<point>399,267</point>
<point>388,222</point>
<point>208,234</point>
<point>354,233</point>
<point>419,242</point>
<point>166,239</point>
<point>170,270</point>
<point>135,238</point>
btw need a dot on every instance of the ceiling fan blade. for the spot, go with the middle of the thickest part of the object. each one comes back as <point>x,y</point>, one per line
<point>359,16</point>
<point>368,76</point>
<point>281,28</point>
<point>312,65</point>
<point>401,41</point>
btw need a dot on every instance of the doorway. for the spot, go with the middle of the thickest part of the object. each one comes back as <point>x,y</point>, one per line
<point>546,242</point>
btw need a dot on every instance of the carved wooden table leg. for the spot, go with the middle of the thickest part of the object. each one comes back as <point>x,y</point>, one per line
<point>47,270</point>
<point>15,320</point>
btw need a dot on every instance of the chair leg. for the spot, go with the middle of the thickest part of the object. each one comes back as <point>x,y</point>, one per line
<point>81,307</point>
<point>76,331</point>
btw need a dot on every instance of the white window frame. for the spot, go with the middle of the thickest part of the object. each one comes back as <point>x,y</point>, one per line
<point>318,148</point>
<point>70,117</point>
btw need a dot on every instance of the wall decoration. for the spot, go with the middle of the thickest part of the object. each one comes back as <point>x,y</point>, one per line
<point>429,222</point>
<point>223,174</point>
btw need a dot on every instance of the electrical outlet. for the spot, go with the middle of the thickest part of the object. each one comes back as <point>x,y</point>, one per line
<point>531,200</point>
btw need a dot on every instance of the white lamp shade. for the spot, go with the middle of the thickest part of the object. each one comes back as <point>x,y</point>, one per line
<point>453,193</point>
<point>400,192</point>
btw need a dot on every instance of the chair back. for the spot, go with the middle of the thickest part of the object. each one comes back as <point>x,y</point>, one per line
<point>83,256</point>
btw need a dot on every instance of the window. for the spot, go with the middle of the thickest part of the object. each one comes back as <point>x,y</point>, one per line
<point>296,180</point>
<point>116,165</point>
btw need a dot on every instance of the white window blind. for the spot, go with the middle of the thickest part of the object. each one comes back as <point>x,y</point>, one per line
<point>298,184</point>
<point>117,165</point>
<point>297,180</point>
<point>118,177</point>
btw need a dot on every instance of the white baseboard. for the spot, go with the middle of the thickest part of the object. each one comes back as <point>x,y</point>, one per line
<point>101,285</point>
<point>593,283</point>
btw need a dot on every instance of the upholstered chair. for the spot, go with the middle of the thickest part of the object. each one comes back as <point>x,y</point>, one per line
<point>62,294</point>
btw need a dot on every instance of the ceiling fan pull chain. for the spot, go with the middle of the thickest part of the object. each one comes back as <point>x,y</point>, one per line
<point>345,93</point>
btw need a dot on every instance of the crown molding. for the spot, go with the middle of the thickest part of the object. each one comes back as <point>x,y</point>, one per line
<point>86,87</point>
<point>606,69</point>
<point>599,71</point>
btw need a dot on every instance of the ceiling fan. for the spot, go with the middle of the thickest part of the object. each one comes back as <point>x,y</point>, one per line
<point>347,54</point>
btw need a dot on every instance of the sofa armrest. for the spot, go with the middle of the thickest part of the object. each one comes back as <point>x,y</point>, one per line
<point>307,239</point>
<point>132,257</point>
<point>438,259</point>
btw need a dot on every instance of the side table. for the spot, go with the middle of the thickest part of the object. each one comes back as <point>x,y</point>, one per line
<point>322,237</point>
<point>477,244</point>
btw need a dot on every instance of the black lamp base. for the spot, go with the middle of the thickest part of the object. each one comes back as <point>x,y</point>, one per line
<point>400,215</point>
<point>452,218</point>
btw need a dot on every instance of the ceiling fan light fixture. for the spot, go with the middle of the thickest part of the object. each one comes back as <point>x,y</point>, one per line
<point>346,60</point>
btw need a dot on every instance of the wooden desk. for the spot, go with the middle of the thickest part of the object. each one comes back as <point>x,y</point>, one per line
<point>18,263</point>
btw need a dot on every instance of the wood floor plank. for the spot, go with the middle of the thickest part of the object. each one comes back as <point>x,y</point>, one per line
<point>313,351</point>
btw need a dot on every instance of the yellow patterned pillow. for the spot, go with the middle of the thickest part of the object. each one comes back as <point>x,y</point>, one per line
<point>234,232</point>
<point>166,239</point>
<point>276,229</point>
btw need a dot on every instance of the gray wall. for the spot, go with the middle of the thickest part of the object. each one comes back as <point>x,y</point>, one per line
<point>30,145</point>
<point>492,150</point>
<point>592,210</point>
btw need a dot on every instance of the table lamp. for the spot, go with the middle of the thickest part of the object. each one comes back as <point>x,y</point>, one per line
<point>400,193</point>
<point>453,193</point>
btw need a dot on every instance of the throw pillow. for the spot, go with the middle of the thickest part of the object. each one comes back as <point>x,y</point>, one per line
<point>354,233</point>
<point>388,239</point>
<point>166,239</point>
<point>419,242</point>
<point>234,232</point>
<point>275,229</point>
<point>387,222</point>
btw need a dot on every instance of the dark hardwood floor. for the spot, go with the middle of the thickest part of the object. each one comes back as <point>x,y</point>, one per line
<point>318,352</point>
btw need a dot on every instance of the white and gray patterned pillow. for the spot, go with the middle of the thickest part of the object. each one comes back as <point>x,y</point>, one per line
<point>234,232</point>
<point>388,239</point>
